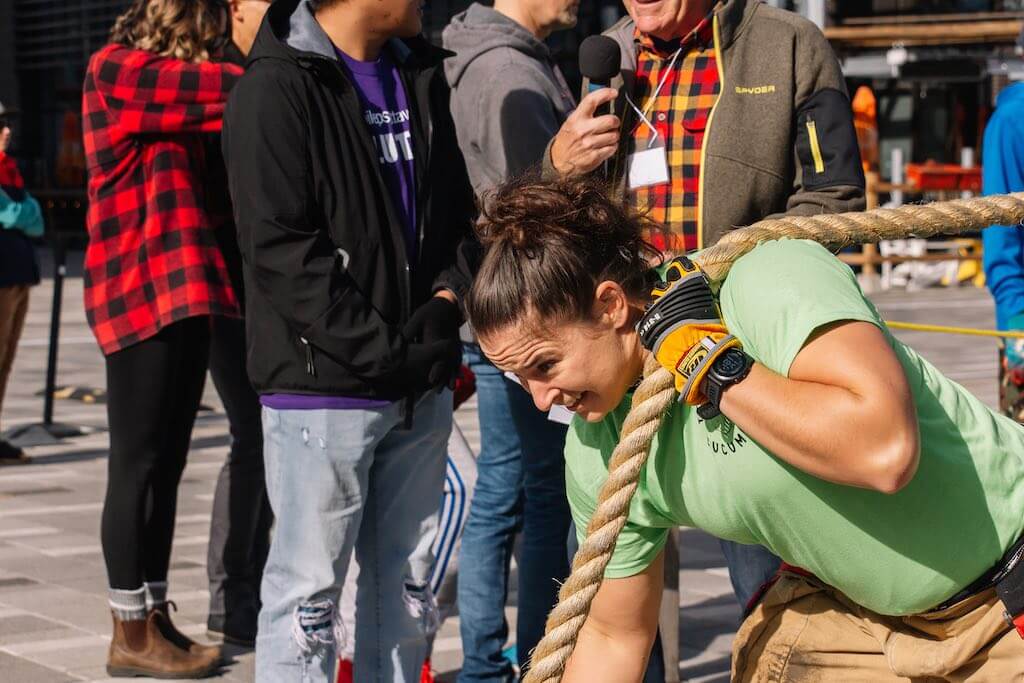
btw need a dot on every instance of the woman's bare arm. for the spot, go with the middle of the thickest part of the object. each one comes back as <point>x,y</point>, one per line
<point>845,413</point>
<point>616,638</point>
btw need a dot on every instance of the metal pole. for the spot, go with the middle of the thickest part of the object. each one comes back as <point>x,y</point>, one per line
<point>967,161</point>
<point>49,432</point>
<point>898,175</point>
<point>59,271</point>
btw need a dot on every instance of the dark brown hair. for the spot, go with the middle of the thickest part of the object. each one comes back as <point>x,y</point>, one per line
<point>547,247</point>
<point>190,30</point>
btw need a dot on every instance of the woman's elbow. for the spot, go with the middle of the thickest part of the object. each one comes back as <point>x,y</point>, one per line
<point>896,460</point>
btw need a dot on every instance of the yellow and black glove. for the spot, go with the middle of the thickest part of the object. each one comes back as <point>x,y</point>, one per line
<point>683,328</point>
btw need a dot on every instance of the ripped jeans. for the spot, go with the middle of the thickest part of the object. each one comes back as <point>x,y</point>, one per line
<point>338,481</point>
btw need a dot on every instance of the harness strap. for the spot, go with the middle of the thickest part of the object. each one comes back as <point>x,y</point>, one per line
<point>1010,588</point>
<point>1007,577</point>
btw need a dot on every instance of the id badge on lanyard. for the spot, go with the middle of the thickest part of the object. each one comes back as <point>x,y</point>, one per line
<point>649,166</point>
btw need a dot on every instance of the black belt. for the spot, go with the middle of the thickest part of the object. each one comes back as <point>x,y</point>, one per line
<point>1007,576</point>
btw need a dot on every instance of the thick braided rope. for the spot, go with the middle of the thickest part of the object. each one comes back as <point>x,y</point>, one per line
<point>656,393</point>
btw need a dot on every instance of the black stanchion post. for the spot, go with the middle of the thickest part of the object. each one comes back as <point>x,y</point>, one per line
<point>59,271</point>
<point>48,431</point>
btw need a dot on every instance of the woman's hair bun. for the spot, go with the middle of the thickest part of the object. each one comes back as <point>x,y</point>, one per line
<point>527,214</point>
<point>548,243</point>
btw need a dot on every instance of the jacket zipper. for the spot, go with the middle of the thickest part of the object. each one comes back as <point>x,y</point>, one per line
<point>421,209</point>
<point>720,64</point>
<point>310,367</point>
<point>421,203</point>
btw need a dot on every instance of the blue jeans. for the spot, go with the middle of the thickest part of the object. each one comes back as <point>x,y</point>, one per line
<point>340,480</point>
<point>520,484</point>
<point>750,566</point>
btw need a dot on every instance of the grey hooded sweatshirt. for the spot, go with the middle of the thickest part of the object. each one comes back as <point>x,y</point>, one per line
<point>508,96</point>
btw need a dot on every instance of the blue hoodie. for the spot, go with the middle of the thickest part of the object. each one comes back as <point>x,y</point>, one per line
<point>1002,172</point>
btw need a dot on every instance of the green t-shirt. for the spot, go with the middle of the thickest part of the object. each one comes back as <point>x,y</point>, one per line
<point>894,554</point>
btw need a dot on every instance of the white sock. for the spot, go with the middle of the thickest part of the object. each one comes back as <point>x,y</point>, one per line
<point>128,605</point>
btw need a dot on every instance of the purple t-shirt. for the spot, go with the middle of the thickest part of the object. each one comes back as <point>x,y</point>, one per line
<point>386,112</point>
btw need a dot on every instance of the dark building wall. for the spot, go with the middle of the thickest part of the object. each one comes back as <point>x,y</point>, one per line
<point>52,42</point>
<point>8,85</point>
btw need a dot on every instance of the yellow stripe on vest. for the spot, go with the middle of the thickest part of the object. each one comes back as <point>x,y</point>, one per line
<point>812,133</point>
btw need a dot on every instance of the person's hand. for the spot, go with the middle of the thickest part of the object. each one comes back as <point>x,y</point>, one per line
<point>683,328</point>
<point>5,137</point>
<point>585,141</point>
<point>431,366</point>
<point>434,352</point>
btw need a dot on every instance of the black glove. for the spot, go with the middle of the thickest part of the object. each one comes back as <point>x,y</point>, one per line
<point>434,353</point>
<point>437,320</point>
<point>431,366</point>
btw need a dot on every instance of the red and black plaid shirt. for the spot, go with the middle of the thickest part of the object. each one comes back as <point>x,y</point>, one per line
<point>680,114</point>
<point>152,257</point>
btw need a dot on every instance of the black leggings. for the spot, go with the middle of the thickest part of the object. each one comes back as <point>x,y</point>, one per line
<point>153,393</point>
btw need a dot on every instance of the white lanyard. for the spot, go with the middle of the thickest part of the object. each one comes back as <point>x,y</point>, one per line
<point>653,98</point>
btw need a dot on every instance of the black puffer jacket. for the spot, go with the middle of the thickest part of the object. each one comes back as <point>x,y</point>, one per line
<point>328,283</point>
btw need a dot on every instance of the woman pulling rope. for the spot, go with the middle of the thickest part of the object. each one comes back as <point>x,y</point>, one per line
<point>893,493</point>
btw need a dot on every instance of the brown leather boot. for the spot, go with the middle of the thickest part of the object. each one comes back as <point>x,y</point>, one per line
<point>171,633</point>
<point>138,648</point>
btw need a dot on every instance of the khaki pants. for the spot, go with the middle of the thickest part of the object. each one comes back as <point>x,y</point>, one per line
<point>13,307</point>
<point>805,631</point>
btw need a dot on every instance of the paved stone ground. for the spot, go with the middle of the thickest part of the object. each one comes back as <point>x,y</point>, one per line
<point>54,624</point>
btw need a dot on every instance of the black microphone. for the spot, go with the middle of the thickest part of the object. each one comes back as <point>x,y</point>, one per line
<point>600,59</point>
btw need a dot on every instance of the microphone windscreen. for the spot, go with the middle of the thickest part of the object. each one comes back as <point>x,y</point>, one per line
<point>600,58</point>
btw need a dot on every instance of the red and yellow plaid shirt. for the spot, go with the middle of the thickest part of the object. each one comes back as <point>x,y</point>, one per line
<point>152,257</point>
<point>679,113</point>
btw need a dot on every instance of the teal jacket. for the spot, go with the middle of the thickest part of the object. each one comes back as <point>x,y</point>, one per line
<point>24,215</point>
